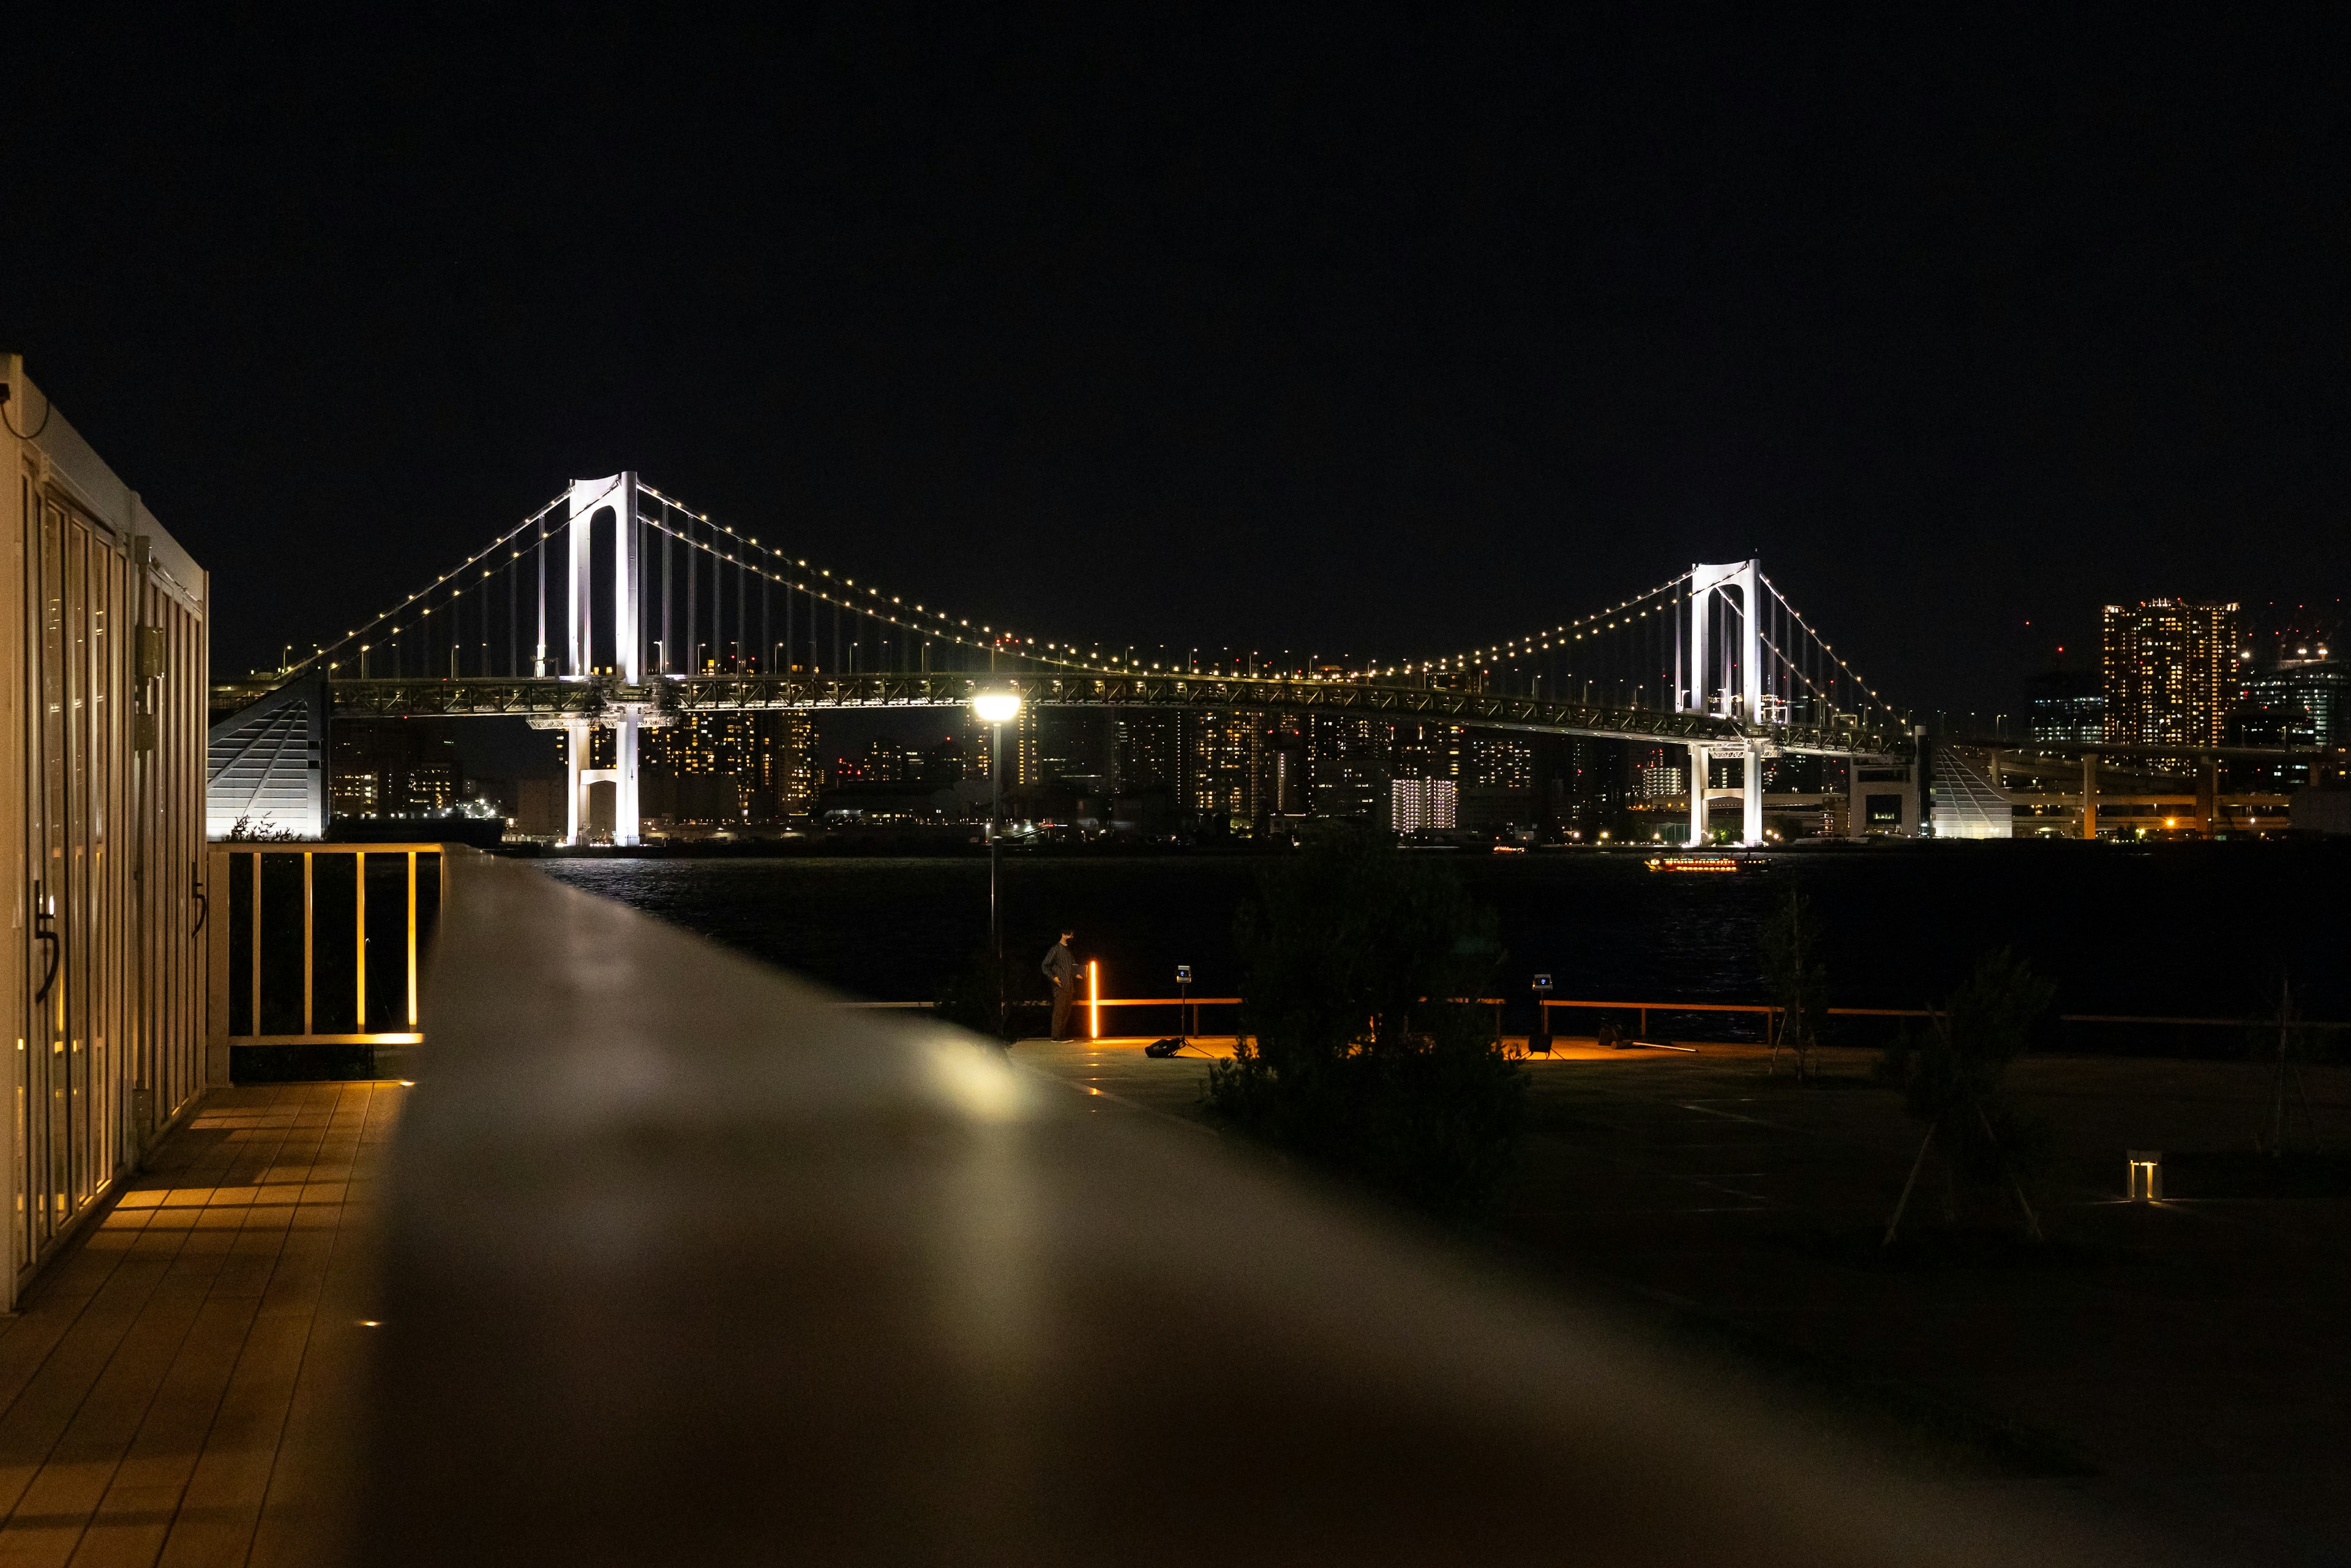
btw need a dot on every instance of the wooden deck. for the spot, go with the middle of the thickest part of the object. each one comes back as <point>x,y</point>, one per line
<point>177,1388</point>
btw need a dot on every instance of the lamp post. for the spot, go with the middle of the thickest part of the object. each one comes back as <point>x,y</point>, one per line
<point>995,709</point>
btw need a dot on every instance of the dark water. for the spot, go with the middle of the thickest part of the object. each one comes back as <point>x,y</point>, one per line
<point>2184,929</point>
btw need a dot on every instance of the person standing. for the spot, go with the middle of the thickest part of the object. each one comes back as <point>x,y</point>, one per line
<point>1060,966</point>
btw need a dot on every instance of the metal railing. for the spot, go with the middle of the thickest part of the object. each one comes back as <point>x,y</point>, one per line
<point>1770,1013</point>
<point>1188,1017</point>
<point>318,944</point>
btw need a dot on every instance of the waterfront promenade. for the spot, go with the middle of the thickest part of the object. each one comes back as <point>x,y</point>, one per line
<point>186,1385</point>
<point>2172,1366</point>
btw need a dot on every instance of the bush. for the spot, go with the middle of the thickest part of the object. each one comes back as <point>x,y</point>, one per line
<point>1362,1045</point>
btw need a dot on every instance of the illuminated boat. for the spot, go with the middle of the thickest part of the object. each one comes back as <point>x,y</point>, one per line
<point>1709,866</point>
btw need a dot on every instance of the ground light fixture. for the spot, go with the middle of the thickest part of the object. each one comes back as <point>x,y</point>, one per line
<point>995,709</point>
<point>2146,1176</point>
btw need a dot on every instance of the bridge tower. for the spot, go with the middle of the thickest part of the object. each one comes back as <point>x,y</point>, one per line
<point>613,499</point>
<point>1723,676</point>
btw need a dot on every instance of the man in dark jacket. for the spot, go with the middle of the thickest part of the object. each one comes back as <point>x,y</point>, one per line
<point>1060,966</point>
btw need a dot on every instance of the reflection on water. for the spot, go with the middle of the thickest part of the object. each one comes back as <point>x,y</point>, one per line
<point>2187,929</point>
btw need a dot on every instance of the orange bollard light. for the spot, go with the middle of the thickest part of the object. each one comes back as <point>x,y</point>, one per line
<point>1093,998</point>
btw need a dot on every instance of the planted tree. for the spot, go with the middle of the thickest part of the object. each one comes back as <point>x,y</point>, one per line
<point>1362,1044</point>
<point>2294,1044</point>
<point>1796,980</point>
<point>1951,1075</point>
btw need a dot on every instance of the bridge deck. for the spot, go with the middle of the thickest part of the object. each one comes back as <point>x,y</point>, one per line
<point>550,699</point>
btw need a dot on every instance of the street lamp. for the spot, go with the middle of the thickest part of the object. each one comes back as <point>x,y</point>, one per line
<point>995,709</point>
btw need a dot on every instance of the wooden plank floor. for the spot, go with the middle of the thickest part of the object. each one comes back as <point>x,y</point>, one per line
<point>173,1388</point>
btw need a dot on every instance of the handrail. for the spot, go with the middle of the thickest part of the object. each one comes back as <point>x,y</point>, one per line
<point>858,1287</point>
<point>2214,1023</point>
<point>1662,1007</point>
<point>286,951</point>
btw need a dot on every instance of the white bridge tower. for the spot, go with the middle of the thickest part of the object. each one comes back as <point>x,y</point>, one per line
<point>1722,675</point>
<point>613,500</point>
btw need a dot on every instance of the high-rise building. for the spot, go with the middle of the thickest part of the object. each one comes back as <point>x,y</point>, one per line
<point>1422,805</point>
<point>1655,773</point>
<point>729,767</point>
<point>2065,705</point>
<point>1347,761</point>
<point>1145,751</point>
<point>1060,746</point>
<point>1287,772</point>
<point>2313,681</point>
<point>950,759</point>
<point>1222,752</point>
<point>1430,751</point>
<point>1500,763</point>
<point>887,761</point>
<point>436,783</point>
<point>352,792</point>
<point>392,769</point>
<point>2169,669</point>
<point>1590,787</point>
<point>787,763</point>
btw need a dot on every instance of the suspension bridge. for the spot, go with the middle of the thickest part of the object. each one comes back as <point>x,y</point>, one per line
<point>615,607</point>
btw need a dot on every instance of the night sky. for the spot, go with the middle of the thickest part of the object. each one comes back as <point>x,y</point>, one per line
<point>1343,333</point>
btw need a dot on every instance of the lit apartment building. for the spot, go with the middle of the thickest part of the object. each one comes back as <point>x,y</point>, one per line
<point>1422,805</point>
<point>2168,666</point>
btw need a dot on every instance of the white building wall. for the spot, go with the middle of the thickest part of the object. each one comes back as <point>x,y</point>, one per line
<point>103,673</point>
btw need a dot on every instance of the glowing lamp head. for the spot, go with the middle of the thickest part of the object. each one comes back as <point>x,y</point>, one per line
<point>995,707</point>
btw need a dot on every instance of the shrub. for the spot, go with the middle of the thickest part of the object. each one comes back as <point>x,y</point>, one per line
<point>1362,1045</point>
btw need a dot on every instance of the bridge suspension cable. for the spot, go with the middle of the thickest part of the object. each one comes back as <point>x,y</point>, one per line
<point>1638,652</point>
<point>709,600</point>
<point>1801,657</point>
<point>1627,653</point>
